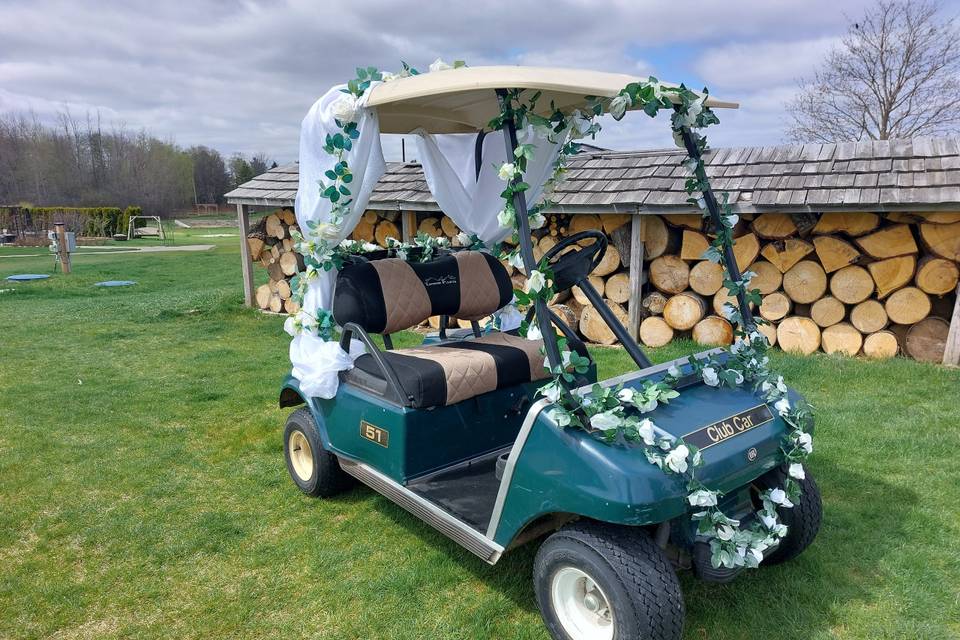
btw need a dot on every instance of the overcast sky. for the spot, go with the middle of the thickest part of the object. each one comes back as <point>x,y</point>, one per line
<point>239,76</point>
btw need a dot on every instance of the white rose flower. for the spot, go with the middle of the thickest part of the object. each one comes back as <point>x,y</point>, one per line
<point>677,459</point>
<point>537,220</point>
<point>439,65</point>
<point>369,246</point>
<point>737,376</point>
<point>290,326</point>
<point>674,371</point>
<point>463,239</point>
<point>515,259</point>
<point>702,498</point>
<point>562,418</point>
<point>765,386</point>
<point>386,76</point>
<point>782,406</point>
<point>619,104</point>
<point>731,220</point>
<point>779,496</point>
<point>645,430</point>
<point>533,332</point>
<point>345,108</point>
<point>551,392</point>
<point>626,395</point>
<point>328,231</point>
<point>506,218</point>
<point>536,281</point>
<point>725,532</point>
<point>768,521</point>
<point>648,406</point>
<point>738,345</point>
<point>710,377</point>
<point>605,421</point>
<point>805,442</point>
<point>506,171</point>
<point>796,471</point>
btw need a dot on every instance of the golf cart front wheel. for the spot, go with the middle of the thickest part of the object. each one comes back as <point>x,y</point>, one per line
<point>601,582</point>
<point>313,469</point>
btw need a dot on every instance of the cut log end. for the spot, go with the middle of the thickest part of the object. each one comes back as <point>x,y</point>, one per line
<point>927,339</point>
<point>880,345</point>
<point>842,338</point>
<point>713,331</point>
<point>909,305</point>
<point>797,334</point>
<point>655,332</point>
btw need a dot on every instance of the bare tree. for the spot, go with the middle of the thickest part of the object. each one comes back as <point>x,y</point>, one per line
<point>894,75</point>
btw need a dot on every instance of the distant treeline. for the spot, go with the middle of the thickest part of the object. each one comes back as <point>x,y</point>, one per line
<point>80,163</point>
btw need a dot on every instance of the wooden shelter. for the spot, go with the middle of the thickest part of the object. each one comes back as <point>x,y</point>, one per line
<point>905,179</point>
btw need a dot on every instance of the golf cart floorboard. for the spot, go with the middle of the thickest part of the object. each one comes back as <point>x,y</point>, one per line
<point>467,492</point>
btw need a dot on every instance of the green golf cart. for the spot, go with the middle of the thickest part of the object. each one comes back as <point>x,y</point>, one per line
<point>454,431</point>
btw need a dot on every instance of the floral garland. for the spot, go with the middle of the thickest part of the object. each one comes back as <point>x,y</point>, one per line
<point>616,413</point>
<point>318,245</point>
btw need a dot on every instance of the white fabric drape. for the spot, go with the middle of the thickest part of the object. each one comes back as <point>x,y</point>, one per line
<point>316,362</point>
<point>473,203</point>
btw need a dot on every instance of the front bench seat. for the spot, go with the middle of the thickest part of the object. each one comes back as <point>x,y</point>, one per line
<point>388,295</point>
<point>451,372</point>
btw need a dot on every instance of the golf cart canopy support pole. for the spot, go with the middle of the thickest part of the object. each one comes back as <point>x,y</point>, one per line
<point>526,248</point>
<point>729,259</point>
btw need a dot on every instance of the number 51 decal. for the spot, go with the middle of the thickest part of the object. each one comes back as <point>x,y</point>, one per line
<point>374,434</point>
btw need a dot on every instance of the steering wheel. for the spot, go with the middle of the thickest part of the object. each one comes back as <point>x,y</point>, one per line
<point>575,266</point>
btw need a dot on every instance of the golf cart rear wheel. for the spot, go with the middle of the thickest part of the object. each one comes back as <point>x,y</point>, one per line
<point>602,582</point>
<point>313,469</point>
<point>802,520</point>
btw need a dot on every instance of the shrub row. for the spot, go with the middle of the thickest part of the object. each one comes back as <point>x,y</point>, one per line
<point>86,221</point>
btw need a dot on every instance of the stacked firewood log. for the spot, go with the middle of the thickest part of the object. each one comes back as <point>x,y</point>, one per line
<point>843,282</point>
<point>271,245</point>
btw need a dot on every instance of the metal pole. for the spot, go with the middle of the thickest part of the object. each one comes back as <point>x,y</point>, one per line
<point>526,248</point>
<point>62,249</point>
<point>729,259</point>
<point>629,342</point>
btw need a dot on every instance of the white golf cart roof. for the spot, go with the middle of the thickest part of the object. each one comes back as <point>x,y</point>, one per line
<point>463,100</point>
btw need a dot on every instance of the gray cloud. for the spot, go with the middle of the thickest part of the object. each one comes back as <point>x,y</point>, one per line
<point>239,76</point>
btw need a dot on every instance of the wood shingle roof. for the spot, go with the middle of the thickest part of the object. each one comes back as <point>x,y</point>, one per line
<point>874,175</point>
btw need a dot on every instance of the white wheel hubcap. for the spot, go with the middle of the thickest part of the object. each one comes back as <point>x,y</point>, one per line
<point>581,606</point>
<point>301,455</point>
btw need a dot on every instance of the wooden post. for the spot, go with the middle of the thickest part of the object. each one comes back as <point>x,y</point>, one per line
<point>951,355</point>
<point>408,225</point>
<point>246,265</point>
<point>636,274</point>
<point>63,250</point>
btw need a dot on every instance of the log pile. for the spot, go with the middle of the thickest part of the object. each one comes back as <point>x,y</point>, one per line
<point>852,283</point>
<point>843,282</point>
<point>271,245</point>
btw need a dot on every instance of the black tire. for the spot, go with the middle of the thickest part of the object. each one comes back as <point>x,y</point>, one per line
<point>324,477</point>
<point>802,520</point>
<point>633,574</point>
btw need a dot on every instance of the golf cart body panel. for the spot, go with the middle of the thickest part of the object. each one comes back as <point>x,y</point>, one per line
<point>570,471</point>
<point>550,470</point>
<point>404,443</point>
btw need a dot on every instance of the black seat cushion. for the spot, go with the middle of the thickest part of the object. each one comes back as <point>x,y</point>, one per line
<point>388,295</point>
<point>443,374</point>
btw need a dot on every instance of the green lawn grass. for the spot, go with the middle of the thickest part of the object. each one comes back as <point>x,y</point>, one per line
<point>143,491</point>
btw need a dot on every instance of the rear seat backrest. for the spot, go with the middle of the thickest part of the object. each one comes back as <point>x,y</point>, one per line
<point>384,296</point>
